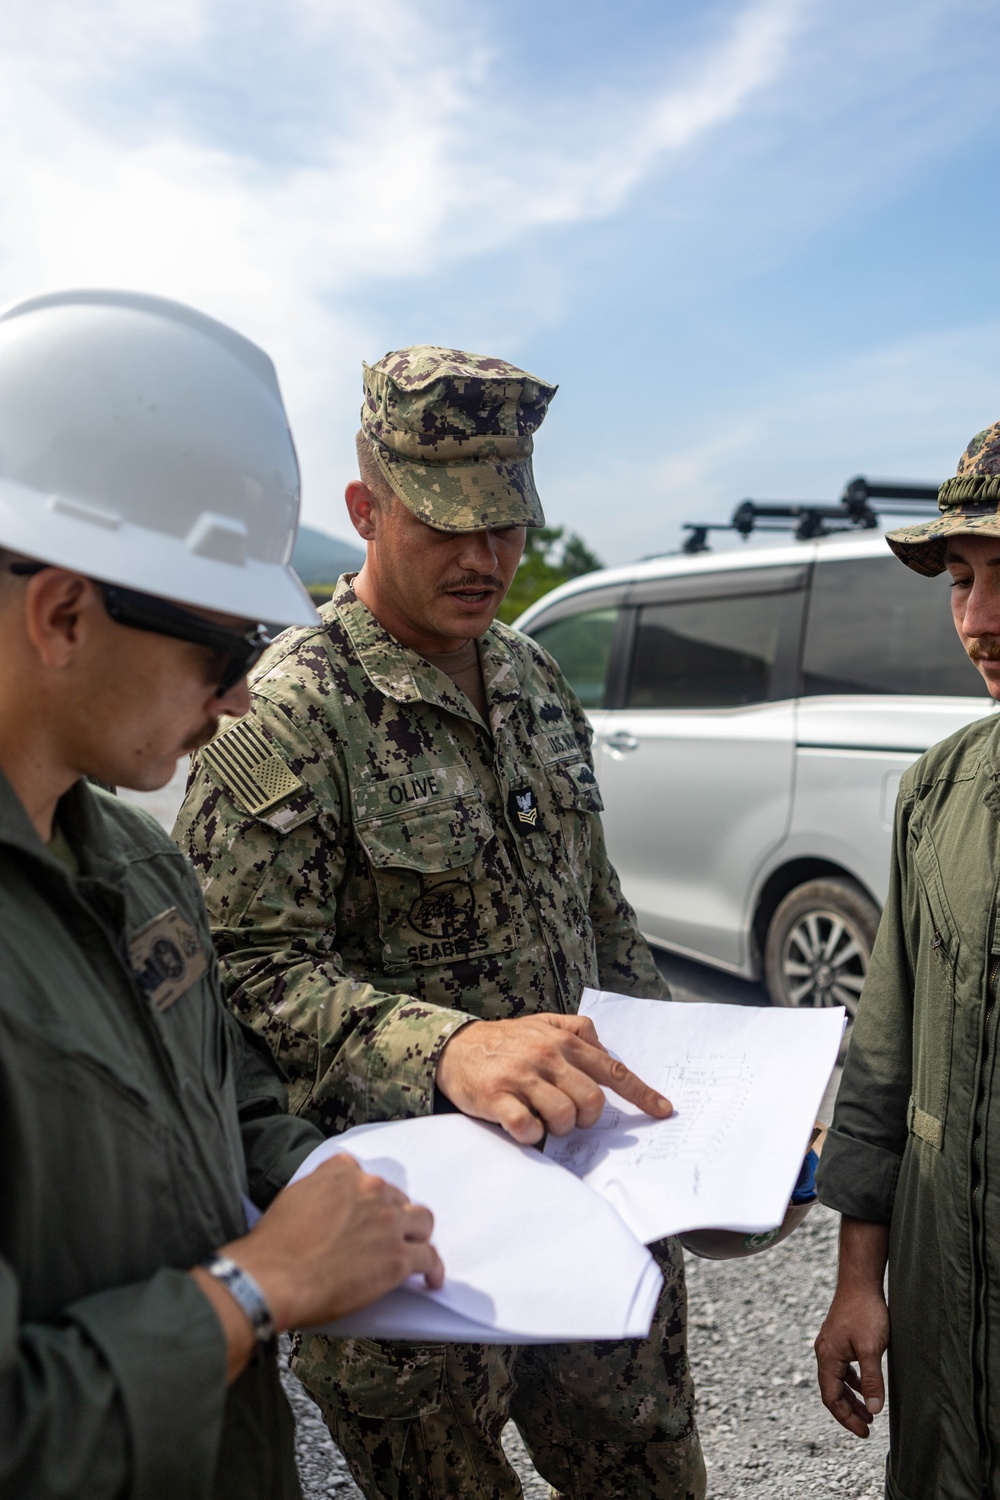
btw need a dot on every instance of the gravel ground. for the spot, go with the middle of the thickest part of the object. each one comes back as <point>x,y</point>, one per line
<point>763,1427</point>
<point>764,1430</point>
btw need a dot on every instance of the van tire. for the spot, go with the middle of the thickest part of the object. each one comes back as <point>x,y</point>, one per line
<point>798,969</point>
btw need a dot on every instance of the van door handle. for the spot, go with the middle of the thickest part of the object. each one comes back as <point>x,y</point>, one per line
<point>619,742</point>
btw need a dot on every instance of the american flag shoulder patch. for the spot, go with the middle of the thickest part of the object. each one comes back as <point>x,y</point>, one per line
<point>248,768</point>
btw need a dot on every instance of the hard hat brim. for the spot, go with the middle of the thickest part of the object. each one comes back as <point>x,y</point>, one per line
<point>117,551</point>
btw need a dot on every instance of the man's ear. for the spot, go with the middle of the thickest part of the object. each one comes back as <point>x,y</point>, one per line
<point>56,606</point>
<point>363,508</point>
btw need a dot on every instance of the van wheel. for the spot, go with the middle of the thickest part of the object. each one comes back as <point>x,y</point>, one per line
<point>819,943</point>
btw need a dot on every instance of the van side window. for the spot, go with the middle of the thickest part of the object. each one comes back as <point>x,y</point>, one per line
<point>877,627</point>
<point>706,653</point>
<point>581,644</point>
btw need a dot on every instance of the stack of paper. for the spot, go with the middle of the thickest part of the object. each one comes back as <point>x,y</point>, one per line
<point>745,1084</point>
<point>550,1247</point>
<point>531,1255</point>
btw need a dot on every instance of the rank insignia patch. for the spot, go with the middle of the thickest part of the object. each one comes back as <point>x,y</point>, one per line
<point>523,806</point>
<point>166,958</point>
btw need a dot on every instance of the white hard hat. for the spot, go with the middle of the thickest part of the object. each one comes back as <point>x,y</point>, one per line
<point>145,444</point>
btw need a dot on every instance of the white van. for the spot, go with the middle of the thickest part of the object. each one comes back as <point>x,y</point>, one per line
<point>752,714</point>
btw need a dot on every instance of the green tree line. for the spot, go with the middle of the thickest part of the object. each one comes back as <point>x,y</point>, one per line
<point>550,558</point>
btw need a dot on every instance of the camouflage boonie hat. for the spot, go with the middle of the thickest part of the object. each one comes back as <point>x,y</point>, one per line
<point>452,435</point>
<point>968,503</point>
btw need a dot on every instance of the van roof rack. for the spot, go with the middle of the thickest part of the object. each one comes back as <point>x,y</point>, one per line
<point>808,519</point>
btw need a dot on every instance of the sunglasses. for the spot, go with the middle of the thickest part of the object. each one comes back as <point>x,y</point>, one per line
<point>237,653</point>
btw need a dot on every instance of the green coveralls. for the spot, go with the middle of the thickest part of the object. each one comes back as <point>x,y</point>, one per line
<point>916,1134</point>
<point>380,867</point>
<point>134,1112</point>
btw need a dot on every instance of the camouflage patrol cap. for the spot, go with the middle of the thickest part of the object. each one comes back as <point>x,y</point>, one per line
<point>453,433</point>
<point>968,503</point>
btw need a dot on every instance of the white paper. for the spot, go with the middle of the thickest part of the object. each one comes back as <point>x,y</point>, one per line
<point>745,1083</point>
<point>531,1255</point>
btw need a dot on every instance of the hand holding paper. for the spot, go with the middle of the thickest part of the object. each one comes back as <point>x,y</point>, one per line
<point>332,1246</point>
<point>531,1255</point>
<point>538,1253</point>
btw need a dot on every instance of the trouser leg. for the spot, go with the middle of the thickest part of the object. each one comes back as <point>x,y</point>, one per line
<point>415,1421</point>
<point>615,1421</point>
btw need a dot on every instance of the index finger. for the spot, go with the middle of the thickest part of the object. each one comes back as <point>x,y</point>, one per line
<point>835,1381</point>
<point>612,1073</point>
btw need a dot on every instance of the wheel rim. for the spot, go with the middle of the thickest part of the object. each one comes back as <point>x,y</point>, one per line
<point>824,960</point>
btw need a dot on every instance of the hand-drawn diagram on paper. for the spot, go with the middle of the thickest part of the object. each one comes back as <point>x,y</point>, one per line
<point>745,1085</point>
<point>708,1092</point>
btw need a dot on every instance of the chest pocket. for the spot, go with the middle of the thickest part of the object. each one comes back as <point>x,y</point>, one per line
<point>565,795</point>
<point>574,787</point>
<point>446,889</point>
<point>570,797</point>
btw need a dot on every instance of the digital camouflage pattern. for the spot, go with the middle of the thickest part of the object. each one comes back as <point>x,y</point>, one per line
<point>378,870</point>
<point>982,456</point>
<point>968,503</point>
<point>602,1421</point>
<point>453,434</point>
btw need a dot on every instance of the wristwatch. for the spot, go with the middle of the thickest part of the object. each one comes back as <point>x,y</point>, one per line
<point>243,1289</point>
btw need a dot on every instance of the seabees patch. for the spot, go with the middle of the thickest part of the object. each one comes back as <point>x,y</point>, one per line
<point>254,775</point>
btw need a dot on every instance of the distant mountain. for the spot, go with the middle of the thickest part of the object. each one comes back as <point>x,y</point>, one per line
<point>318,558</point>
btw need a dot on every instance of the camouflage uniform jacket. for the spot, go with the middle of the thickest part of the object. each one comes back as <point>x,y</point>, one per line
<point>379,867</point>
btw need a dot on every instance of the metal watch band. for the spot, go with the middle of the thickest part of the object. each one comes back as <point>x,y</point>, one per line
<point>243,1289</point>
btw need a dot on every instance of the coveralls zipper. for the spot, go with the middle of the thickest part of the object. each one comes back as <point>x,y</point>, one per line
<point>175,1085</point>
<point>980,1287</point>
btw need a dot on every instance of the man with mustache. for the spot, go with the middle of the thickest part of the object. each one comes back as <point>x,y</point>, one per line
<point>402,853</point>
<point>913,1158</point>
<point>148,502</point>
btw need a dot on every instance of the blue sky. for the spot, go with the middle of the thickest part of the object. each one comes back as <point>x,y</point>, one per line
<point>754,241</point>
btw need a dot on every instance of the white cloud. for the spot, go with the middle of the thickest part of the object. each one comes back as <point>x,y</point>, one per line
<point>106,179</point>
<point>751,57</point>
<point>274,161</point>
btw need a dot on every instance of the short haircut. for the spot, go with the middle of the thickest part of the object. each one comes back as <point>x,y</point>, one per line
<point>368,468</point>
<point>7,578</point>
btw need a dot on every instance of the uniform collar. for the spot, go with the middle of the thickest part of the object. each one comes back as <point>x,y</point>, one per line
<point>16,828</point>
<point>405,676</point>
<point>80,818</point>
<point>990,763</point>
